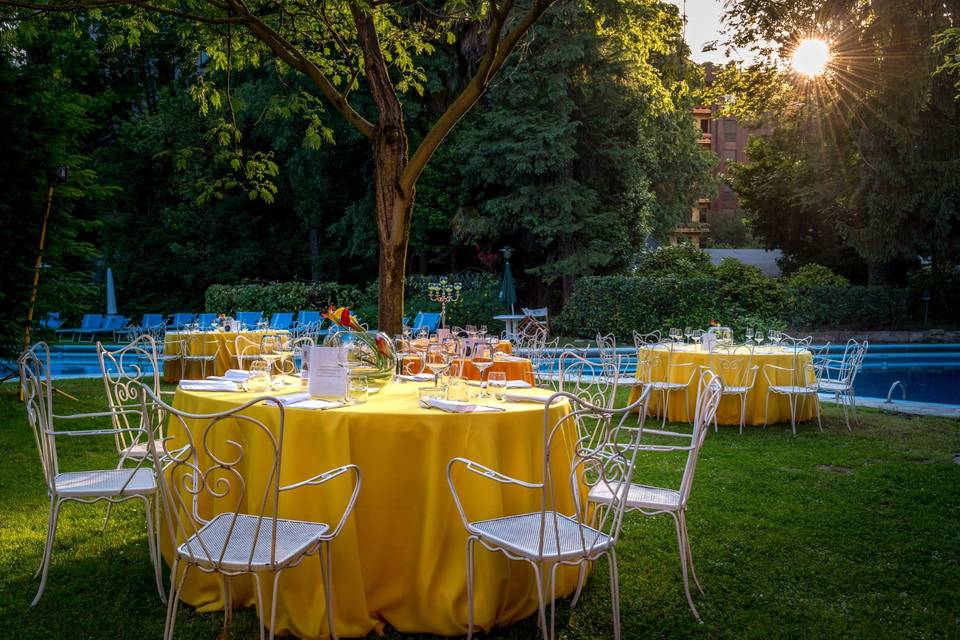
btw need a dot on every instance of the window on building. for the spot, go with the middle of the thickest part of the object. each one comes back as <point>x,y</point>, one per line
<point>729,133</point>
<point>705,125</point>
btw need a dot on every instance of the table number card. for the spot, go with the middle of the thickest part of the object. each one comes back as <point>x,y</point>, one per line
<point>327,378</point>
<point>442,334</point>
<point>708,341</point>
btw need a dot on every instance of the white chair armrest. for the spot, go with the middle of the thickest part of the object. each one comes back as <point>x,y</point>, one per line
<point>485,472</point>
<point>325,477</point>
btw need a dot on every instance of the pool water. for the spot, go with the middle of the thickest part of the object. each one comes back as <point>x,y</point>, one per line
<point>927,372</point>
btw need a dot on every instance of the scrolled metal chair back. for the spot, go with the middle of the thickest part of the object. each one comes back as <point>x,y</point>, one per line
<point>709,393</point>
<point>203,459</point>
<point>604,455</point>
<point>594,381</point>
<point>733,365</point>
<point>123,371</point>
<point>300,348</point>
<point>802,373</point>
<point>642,339</point>
<point>37,388</point>
<point>853,355</point>
<point>653,363</point>
<point>245,347</point>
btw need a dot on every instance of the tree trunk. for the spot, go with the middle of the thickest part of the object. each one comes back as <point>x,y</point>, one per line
<point>394,212</point>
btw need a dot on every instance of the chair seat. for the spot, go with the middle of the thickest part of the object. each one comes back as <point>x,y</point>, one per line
<point>735,391</point>
<point>521,535</point>
<point>639,496</point>
<point>294,539</point>
<point>668,386</point>
<point>832,385</point>
<point>792,390</point>
<point>140,450</point>
<point>80,484</point>
<point>211,357</point>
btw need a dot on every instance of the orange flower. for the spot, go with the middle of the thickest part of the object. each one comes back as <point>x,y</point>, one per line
<point>342,318</point>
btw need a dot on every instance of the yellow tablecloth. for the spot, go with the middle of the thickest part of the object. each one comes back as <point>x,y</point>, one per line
<point>221,343</point>
<point>729,410</point>
<point>401,558</point>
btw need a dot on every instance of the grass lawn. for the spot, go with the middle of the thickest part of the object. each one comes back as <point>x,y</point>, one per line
<point>822,535</point>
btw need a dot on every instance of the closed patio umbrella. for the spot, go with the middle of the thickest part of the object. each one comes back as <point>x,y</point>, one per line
<point>111,294</point>
<point>508,293</point>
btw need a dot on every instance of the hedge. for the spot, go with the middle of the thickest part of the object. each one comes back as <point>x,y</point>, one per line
<point>478,304</point>
<point>734,297</point>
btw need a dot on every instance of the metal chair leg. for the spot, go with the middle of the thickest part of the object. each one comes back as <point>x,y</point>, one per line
<point>614,591</point>
<point>683,567</point>
<point>152,545</point>
<point>686,540</point>
<point>470,545</point>
<point>326,568</point>
<point>540,600</point>
<point>48,548</point>
<point>273,603</point>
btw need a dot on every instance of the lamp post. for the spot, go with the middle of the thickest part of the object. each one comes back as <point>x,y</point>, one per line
<point>444,292</point>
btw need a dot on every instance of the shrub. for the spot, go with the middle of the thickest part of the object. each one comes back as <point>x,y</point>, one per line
<point>849,307</point>
<point>681,260</point>
<point>748,291</point>
<point>279,296</point>
<point>814,275</point>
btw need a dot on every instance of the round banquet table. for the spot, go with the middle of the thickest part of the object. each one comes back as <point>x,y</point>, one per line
<point>515,368</point>
<point>221,343</point>
<point>729,410</point>
<point>401,557</point>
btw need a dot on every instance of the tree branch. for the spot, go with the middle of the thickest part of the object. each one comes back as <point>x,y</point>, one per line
<point>493,59</point>
<point>296,59</point>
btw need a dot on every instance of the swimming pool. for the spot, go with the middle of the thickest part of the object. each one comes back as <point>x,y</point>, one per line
<point>928,372</point>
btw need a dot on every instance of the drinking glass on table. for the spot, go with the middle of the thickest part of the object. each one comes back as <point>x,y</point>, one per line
<point>483,360</point>
<point>688,333</point>
<point>749,333</point>
<point>437,361</point>
<point>758,337</point>
<point>498,382</point>
<point>358,389</point>
<point>775,337</point>
<point>270,354</point>
<point>258,378</point>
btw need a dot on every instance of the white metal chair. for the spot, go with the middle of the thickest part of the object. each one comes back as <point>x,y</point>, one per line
<point>200,349</point>
<point>547,539</point>
<point>657,370</point>
<point>652,501</point>
<point>90,486</point>
<point>734,366</point>
<point>245,351</point>
<point>594,382</point>
<point>206,463</point>
<point>837,377</point>
<point>801,381</point>
<point>169,351</point>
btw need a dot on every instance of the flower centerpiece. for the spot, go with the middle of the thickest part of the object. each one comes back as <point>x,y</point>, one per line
<point>374,350</point>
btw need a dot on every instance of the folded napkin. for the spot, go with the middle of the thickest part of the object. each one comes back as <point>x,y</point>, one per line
<point>458,406</point>
<point>208,385</point>
<point>511,384</point>
<point>522,397</point>
<point>304,401</point>
<point>417,377</point>
<point>236,374</point>
<point>509,359</point>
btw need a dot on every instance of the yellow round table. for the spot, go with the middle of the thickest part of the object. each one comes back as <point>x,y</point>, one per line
<point>729,410</point>
<point>401,558</point>
<point>219,343</point>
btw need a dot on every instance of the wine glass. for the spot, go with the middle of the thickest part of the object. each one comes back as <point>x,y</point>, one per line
<point>775,337</point>
<point>483,360</point>
<point>270,354</point>
<point>688,333</point>
<point>759,337</point>
<point>437,362</point>
<point>749,333</point>
<point>348,357</point>
<point>258,378</point>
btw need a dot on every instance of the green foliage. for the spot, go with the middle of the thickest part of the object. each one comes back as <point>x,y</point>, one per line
<point>855,307</point>
<point>862,173</point>
<point>478,305</point>
<point>748,291</point>
<point>813,275</point>
<point>280,296</point>
<point>680,260</point>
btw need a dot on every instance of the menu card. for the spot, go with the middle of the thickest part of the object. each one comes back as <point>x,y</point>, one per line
<point>442,334</point>
<point>708,341</point>
<point>327,378</point>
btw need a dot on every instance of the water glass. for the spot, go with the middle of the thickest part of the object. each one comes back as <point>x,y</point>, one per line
<point>759,337</point>
<point>258,379</point>
<point>359,390</point>
<point>749,333</point>
<point>498,382</point>
<point>688,333</point>
<point>426,394</point>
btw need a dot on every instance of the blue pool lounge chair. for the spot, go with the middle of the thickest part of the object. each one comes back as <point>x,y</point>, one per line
<point>152,321</point>
<point>428,320</point>
<point>89,322</point>
<point>249,319</point>
<point>281,321</point>
<point>52,321</point>
<point>205,320</point>
<point>308,319</point>
<point>180,320</point>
